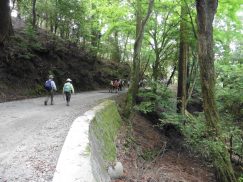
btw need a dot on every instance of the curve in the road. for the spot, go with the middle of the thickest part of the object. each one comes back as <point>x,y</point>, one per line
<point>32,135</point>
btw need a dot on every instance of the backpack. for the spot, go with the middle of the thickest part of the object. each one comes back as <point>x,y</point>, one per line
<point>67,87</point>
<point>48,86</point>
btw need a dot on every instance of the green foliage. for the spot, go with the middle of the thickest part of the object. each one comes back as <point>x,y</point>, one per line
<point>26,56</point>
<point>232,134</point>
<point>130,141</point>
<point>93,23</point>
<point>149,154</point>
<point>38,90</point>
<point>195,133</point>
<point>161,99</point>
<point>83,21</point>
<point>211,148</point>
<point>229,89</point>
<point>147,105</point>
<point>31,41</point>
<point>240,179</point>
<point>21,43</point>
<point>195,130</point>
<point>172,118</point>
<point>30,32</point>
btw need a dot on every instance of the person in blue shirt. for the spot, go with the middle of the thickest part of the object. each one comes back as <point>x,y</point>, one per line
<point>68,90</point>
<point>50,87</point>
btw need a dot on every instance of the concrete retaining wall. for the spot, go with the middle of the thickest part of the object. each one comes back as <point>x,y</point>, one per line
<point>89,146</point>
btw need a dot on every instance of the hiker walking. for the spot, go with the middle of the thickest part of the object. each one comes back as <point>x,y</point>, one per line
<point>50,87</point>
<point>68,90</point>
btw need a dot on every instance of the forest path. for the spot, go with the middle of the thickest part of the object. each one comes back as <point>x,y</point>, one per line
<point>32,135</point>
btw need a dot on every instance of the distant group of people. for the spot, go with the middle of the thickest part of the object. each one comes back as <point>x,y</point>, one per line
<point>50,87</point>
<point>116,85</point>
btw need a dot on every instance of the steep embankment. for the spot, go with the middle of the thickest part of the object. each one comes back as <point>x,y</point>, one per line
<point>28,58</point>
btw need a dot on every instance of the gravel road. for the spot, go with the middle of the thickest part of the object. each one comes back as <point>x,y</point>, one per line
<point>32,135</point>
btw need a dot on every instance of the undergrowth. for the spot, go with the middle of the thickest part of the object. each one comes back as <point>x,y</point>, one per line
<point>193,127</point>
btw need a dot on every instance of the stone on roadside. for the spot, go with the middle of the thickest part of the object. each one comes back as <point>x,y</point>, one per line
<point>116,171</point>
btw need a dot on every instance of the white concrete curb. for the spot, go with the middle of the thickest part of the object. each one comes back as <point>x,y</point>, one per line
<point>74,164</point>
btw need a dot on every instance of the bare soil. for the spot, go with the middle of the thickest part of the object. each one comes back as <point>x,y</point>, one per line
<point>149,155</point>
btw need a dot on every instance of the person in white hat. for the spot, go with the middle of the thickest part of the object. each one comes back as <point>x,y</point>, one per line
<point>50,87</point>
<point>68,90</point>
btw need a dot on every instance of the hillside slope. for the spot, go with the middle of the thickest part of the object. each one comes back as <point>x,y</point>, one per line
<point>28,58</point>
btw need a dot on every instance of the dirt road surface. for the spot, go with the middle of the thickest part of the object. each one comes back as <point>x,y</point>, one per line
<point>32,135</point>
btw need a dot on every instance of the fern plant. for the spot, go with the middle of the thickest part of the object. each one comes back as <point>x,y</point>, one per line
<point>160,101</point>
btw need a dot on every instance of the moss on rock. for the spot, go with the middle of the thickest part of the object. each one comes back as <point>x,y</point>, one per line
<point>105,127</point>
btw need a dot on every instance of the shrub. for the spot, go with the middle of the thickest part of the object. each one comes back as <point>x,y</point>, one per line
<point>160,101</point>
<point>229,90</point>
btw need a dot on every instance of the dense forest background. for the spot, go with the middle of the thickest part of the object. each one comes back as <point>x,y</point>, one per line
<point>191,48</point>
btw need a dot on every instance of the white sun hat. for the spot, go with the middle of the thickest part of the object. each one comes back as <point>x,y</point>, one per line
<point>69,80</point>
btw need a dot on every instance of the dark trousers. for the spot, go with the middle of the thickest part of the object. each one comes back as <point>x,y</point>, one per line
<point>68,96</point>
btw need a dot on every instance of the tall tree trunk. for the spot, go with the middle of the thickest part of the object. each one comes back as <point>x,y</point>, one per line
<point>157,51</point>
<point>171,76</point>
<point>182,63</point>
<point>18,2</point>
<point>191,72</point>
<point>56,19</point>
<point>6,28</point>
<point>155,73</point>
<point>55,28</point>
<point>95,32</point>
<point>136,53</point>
<point>51,27</point>
<point>116,54</point>
<point>125,47</point>
<point>141,23</point>
<point>34,14</point>
<point>205,15</point>
<point>137,47</point>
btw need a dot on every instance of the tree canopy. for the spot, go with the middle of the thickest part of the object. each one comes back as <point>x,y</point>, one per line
<point>163,41</point>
